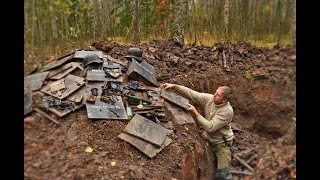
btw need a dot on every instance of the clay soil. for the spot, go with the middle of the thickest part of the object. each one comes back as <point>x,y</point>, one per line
<point>264,82</point>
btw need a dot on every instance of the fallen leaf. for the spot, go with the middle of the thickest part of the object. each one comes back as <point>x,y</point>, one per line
<point>89,150</point>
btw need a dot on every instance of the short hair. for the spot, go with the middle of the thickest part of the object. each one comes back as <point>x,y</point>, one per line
<point>227,92</point>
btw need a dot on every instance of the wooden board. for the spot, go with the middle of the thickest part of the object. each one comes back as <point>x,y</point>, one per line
<point>72,83</point>
<point>35,81</point>
<point>57,63</point>
<point>181,116</point>
<point>146,129</point>
<point>175,99</point>
<point>142,71</point>
<point>145,147</point>
<point>67,71</point>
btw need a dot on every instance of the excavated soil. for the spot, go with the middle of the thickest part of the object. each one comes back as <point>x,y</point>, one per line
<point>264,82</point>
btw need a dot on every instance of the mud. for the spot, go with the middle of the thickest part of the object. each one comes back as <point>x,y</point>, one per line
<point>264,82</point>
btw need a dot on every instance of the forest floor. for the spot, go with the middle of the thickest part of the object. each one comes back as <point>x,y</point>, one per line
<point>264,82</point>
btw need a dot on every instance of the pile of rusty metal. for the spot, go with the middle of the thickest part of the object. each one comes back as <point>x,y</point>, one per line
<point>109,89</point>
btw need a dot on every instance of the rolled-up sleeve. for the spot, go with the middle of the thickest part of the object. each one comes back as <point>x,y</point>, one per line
<point>218,121</point>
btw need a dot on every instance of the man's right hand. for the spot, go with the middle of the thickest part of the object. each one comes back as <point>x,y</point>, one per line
<point>167,85</point>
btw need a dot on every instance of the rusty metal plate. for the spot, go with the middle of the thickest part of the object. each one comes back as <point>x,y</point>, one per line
<point>142,71</point>
<point>99,75</point>
<point>82,54</point>
<point>35,81</point>
<point>103,110</point>
<point>72,84</point>
<point>27,102</point>
<point>181,116</point>
<point>175,99</point>
<point>61,113</point>
<point>57,63</point>
<point>78,96</point>
<point>146,129</point>
<point>147,148</point>
<point>67,71</point>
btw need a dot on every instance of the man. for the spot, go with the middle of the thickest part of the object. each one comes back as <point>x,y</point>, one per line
<point>218,114</point>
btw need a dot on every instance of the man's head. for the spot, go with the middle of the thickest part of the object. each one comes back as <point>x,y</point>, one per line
<point>223,94</point>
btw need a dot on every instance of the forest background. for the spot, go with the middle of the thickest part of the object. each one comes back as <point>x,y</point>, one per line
<point>55,27</point>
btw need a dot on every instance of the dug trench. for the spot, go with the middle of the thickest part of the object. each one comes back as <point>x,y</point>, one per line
<point>263,81</point>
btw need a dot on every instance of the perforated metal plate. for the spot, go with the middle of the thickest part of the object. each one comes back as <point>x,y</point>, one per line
<point>146,129</point>
<point>103,110</point>
<point>175,99</point>
<point>142,71</point>
<point>147,148</point>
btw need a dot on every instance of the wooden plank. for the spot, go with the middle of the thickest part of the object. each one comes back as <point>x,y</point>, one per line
<point>146,129</point>
<point>62,74</point>
<point>143,72</point>
<point>55,64</point>
<point>73,83</point>
<point>181,116</point>
<point>145,147</point>
<point>59,70</point>
<point>45,115</point>
<point>175,99</point>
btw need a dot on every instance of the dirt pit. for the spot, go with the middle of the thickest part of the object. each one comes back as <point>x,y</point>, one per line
<point>264,105</point>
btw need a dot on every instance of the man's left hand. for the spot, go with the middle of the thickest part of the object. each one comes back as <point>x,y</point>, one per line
<point>193,109</point>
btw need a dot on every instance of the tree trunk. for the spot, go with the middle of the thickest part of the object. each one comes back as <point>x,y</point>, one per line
<point>136,37</point>
<point>226,17</point>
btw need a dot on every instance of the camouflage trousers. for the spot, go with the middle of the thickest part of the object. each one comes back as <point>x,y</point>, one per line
<point>222,155</point>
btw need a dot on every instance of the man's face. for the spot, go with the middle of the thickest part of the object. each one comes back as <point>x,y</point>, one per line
<point>218,96</point>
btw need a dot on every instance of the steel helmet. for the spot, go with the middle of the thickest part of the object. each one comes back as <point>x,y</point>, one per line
<point>91,58</point>
<point>135,53</point>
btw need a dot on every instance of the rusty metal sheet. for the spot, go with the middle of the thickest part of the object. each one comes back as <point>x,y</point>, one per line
<point>142,71</point>
<point>27,102</point>
<point>72,84</point>
<point>99,75</point>
<point>147,148</point>
<point>35,81</point>
<point>103,110</point>
<point>175,99</point>
<point>67,71</point>
<point>82,54</point>
<point>57,63</point>
<point>78,96</point>
<point>181,116</point>
<point>146,129</point>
